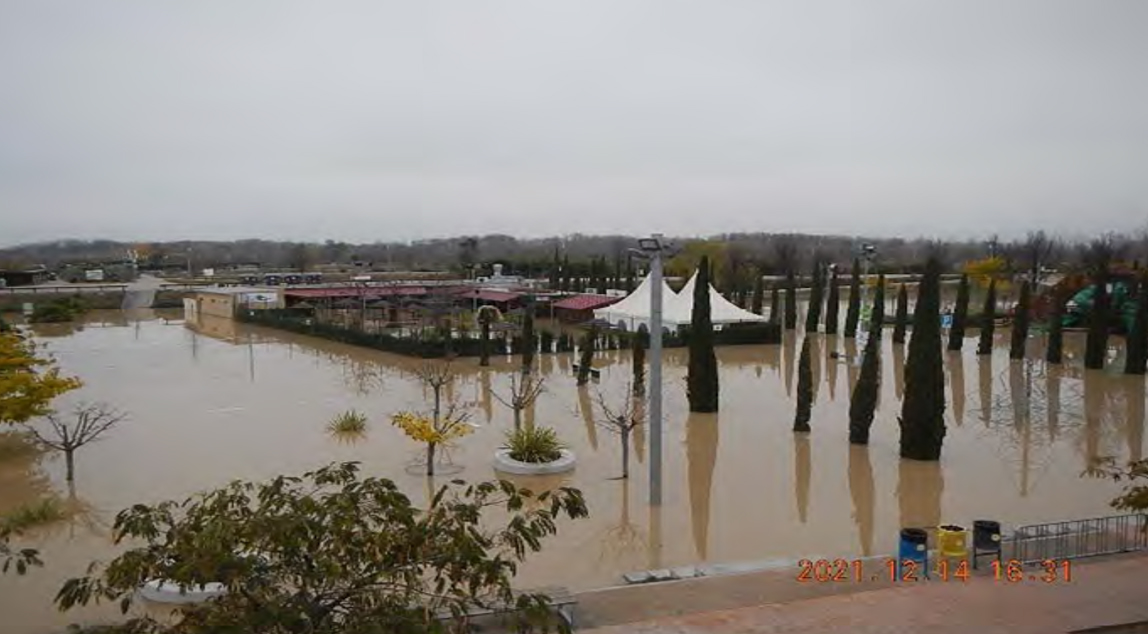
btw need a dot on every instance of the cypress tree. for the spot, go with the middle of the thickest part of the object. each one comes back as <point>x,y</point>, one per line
<point>586,355</point>
<point>1096,345</point>
<point>1137,354</point>
<point>1020,323</point>
<point>702,381</point>
<point>774,305</point>
<point>922,418</point>
<point>988,313</point>
<point>565,273</point>
<point>555,268</point>
<point>638,343</point>
<point>484,319</point>
<point>853,313</point>
<point>528,341</point>
<point>960,315</point>
<point>877,315</point>
<point>863,401</point>
<point>790,301</point>
<point>832,305</point>
<point>758,303</point>
<point>1054,351</point>
<point>816,298</point>
<point>901,318</point>
<point>804,389</point>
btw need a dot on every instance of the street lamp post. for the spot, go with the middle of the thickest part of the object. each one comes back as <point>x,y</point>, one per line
<point>652,249</point>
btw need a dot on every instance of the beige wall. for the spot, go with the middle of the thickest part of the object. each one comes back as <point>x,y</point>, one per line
<point>215,304</point>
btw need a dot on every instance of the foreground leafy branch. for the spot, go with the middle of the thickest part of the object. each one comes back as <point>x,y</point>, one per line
<point>331,552</point>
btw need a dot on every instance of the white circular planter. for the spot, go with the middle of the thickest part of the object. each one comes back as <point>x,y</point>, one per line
<point>504,463</point>
<point>161,591</point>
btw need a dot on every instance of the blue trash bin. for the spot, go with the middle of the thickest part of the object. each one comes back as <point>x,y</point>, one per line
<point>914,546</point>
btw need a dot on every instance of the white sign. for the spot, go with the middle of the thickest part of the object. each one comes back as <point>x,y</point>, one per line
<point>94,275</point>
<point>260,298</point>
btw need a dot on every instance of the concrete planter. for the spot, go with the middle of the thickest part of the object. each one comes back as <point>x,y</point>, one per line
<point>504,463</point>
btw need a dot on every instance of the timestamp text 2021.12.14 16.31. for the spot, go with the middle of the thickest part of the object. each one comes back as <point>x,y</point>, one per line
<point>909,571</point>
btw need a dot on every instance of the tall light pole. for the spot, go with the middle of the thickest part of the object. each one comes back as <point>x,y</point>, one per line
<point>652,248</point>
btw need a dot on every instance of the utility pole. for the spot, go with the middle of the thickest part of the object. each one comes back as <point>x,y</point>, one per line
<point>652,248</point>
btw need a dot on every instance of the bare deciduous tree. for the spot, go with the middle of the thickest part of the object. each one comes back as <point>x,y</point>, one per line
<point>622,421</point>
<point>523,393</point>
<point>89,421</point>
<point>1035,252</point>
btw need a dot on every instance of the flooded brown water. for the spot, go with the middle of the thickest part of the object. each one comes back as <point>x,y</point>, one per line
<point>215,401</point>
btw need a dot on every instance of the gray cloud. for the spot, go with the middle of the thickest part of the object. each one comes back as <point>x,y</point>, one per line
<point>366,120</point>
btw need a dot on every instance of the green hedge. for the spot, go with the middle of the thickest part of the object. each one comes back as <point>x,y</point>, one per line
<point>434,345</point>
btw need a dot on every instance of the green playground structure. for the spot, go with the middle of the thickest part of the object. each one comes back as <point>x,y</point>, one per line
<point>1121,303</point>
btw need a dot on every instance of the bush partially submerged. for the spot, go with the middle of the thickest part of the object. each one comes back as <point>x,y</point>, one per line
<point>349,423</point>
<point>534,444</point>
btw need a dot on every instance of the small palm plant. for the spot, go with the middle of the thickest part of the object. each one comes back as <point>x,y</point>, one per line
<point>351,424</point>
<point>534,444</point>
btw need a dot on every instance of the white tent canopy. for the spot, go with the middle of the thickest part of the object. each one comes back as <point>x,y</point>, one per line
<point>634,311</point>
<point>722,311</point>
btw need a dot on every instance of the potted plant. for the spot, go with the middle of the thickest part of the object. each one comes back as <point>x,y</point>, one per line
<point>533,450</point>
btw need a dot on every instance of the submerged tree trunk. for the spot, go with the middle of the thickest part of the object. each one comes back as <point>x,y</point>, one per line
<point>430,458</point>
<point>70,463</point>
<point>960,315</point>
<point>813,309</point>
<point>702,378</point>
<point>625,436</point>
<point>1096,346</point>
<point>804,389</point>
<point>863,401</point>
<point>1137,354</point>
<point>1054,353</point>
<point>757,304</point>
<point>528,344</point>
<point>988,314</point>
<point>853,313</point>
<point>484,343</point>
<point>901,317</point>
<point>790,301</point>
<point>638,361</point>
<point>832,305</point>
<point>1020,323</point>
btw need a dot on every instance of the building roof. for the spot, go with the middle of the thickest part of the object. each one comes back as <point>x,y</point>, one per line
<point>236,290</point>
<point>355,291</point>
<point>488,295</point>
<point>585,302</point>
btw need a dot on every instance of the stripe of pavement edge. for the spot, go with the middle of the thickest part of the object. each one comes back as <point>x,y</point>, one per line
<point>1100,594</point>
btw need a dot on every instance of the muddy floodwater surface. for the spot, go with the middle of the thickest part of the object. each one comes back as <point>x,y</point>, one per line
<point>213,401</point>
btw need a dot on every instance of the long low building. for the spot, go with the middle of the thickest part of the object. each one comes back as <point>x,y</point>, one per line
<point>225,301</point>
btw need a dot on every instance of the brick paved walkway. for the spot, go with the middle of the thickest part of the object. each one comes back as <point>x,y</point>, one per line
<point>1100,594</point>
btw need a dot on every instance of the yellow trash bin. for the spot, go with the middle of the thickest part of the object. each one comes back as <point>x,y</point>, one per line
<point>952,541</point>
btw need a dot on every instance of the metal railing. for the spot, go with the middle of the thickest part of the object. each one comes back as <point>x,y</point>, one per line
<point>60,288</point>
<point>1075,539</point>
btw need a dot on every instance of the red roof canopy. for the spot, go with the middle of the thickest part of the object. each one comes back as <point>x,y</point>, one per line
<point>585,302</point>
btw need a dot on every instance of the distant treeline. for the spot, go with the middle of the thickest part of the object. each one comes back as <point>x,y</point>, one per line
<point>770,253</point>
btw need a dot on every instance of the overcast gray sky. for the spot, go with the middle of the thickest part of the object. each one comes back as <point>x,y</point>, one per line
<point>372,120</point>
